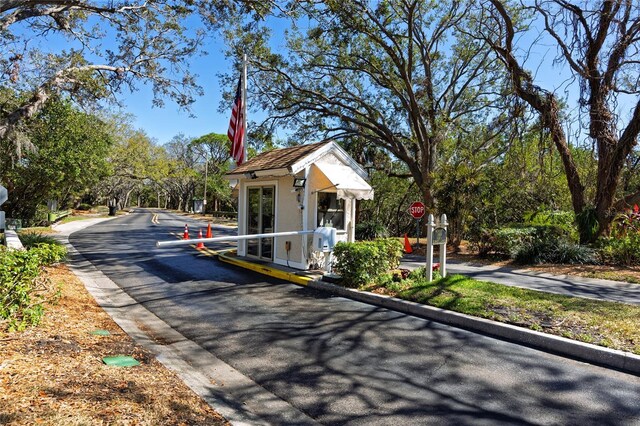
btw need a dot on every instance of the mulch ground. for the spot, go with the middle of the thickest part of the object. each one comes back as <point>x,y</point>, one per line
<point>54,374</point>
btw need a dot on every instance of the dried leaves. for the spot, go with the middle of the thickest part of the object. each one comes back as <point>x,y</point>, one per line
<point>54,374</point>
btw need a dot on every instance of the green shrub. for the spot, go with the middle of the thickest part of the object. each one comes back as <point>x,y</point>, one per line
<point>623,245</point>
<point>39,218</point>
<point>564,220</point>
<point>84,207</point>
<point>357,262</point>
<point>621,249</point>
<point>555,251</point>
<point>483,242</point>
<point>512,240</point>
<point>370,230</point>
<point>417,273</point>
<point>504,241</point>
<point>50,253</point>
<point>573,253</point>
<point>362,262</point>
<point>546,243</point>
<point>509,241</point>
<point>587,222</point>
<point>33,239</point>
<point>22,289</point>
<point>393,249</point>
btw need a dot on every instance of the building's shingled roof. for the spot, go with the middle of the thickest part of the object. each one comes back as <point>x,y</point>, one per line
<point>277,159</point>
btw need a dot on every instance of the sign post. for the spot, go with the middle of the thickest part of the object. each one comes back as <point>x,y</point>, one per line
<point>4,195</point>
<point>430,225</point>
<point>417,211</point>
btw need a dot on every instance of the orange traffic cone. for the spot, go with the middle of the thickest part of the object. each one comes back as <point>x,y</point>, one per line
<point>186,232</point>
<point>407,245</point>
<point>200,245</point>
<point>209,233</point>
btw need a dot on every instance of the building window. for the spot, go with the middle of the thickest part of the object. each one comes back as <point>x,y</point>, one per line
<point>330,210</point>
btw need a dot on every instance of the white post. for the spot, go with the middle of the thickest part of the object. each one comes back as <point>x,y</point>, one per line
<point>443,248</point>
<point>206,172</point>
<point>430,226</point>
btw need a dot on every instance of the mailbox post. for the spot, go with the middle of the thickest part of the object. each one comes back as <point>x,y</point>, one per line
<point>436,235</point>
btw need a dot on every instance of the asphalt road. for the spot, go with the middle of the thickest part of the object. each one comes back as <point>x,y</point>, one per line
<point>344,362</point>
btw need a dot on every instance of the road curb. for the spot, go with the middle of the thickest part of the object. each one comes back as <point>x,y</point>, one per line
<point>12,240</point>
<point>619,360</point>
<point>265,270</point>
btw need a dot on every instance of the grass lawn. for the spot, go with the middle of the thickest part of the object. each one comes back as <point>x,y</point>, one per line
<point>610,324</point>
<point>614,276</point>
<point>72,218</point>
<point>66,219</point>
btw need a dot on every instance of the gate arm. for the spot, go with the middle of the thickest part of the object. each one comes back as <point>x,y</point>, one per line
<point>173,243</point>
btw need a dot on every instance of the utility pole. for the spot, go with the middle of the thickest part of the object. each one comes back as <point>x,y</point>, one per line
<point>206,170</point>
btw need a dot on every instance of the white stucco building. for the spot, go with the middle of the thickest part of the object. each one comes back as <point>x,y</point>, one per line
<point>293,189</point>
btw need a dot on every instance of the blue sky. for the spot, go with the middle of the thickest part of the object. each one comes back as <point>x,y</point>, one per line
<point>164,123</point>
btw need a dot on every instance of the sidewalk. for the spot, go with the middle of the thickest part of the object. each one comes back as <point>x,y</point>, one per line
<point>570,285</point>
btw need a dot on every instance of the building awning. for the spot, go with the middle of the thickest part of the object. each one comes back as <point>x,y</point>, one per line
<point>347,182</point>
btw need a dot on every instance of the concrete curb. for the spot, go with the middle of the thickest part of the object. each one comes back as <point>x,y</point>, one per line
<point>265,270</point>
<point>12,240</point>
<point>623,361</point>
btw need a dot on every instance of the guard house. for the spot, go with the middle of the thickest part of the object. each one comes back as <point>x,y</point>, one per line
<point>295,189</point>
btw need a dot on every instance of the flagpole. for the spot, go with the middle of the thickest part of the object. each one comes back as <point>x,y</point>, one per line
<point>244,103</point>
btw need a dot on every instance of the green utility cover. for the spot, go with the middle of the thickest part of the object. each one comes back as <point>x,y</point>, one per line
<point>101,333</point>
<point>120,361</point>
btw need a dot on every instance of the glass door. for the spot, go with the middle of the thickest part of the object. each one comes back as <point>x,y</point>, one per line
<point>267,219</point>
<point>253,218</point>
<point>260,220</point>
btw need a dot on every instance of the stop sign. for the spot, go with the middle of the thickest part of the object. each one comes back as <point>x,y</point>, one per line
<point>417,210</point>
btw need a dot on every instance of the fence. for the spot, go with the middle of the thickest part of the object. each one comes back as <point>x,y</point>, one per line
<point>53,216</point>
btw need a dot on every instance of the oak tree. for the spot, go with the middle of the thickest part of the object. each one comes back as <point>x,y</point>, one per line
<point>600,42</point>
<point>398,75</point>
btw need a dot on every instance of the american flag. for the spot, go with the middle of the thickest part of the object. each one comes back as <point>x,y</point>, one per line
<point>236,127</point>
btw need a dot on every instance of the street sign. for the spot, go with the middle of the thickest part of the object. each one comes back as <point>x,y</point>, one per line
<point>417,210</point>
<point>3,197</point>
<point>3,194</point>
